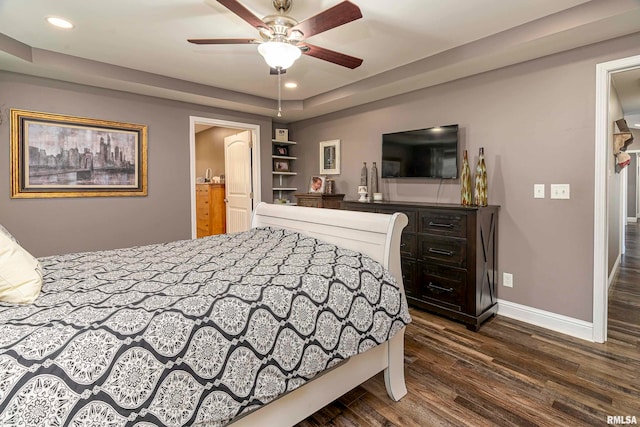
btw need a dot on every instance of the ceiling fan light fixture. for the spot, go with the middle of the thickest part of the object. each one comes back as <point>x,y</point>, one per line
<point>279,54</point>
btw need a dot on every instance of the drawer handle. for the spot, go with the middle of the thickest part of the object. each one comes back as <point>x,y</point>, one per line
<point>402,245</point>
<point>440,252</point>
<point>437,224</point>
<point>439,288</point>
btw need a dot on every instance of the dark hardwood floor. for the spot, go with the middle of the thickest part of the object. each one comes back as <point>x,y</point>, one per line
<point>510,373</point>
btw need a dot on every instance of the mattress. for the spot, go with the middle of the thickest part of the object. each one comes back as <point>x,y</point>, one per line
<point>194,332</point>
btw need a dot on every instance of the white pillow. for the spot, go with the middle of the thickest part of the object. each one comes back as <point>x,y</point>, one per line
<point>20,272</point>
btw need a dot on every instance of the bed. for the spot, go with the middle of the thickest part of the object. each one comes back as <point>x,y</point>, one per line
<point>263,327</point>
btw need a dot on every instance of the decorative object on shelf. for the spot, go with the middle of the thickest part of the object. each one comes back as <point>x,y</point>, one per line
<point>281,165</point>
<point>362,191</point>
<point>316,184</point>
<point>373,182</point>
<point>480,195</point>
<point>363,175</point>
<point>329,185</point>
<point>280,150</point>
<point>377,197</point>
<point>330,157</point>
<point>465,181</point>
<point>282,134</point>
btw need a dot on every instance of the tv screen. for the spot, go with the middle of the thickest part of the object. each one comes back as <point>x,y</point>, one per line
<point>422,153</point>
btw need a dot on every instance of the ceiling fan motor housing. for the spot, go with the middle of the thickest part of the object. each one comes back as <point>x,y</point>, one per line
<point>280,25</point>
<point>282,6</point>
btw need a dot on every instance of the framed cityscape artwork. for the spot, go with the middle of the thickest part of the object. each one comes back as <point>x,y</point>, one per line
<point>54,155</point>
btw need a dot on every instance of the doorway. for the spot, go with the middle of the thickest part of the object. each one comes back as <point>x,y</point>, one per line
<point>254,167</point>
<point>604,71</point>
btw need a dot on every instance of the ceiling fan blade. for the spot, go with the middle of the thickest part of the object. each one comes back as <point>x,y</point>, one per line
<point>330,55</point>
<point>340,14</point>
<point>244,13</point>
<point>222,41</point>
<point>274,71</point>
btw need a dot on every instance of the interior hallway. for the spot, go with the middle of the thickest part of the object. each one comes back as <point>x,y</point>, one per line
<point>624,294</point>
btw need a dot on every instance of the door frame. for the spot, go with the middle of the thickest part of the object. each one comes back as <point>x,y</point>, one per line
<point>600,229</point>
<point>255,159</point>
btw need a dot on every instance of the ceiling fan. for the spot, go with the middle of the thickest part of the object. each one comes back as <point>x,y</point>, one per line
<point>282,38</point>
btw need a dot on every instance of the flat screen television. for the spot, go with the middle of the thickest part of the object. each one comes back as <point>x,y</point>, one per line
<point>421,153</point>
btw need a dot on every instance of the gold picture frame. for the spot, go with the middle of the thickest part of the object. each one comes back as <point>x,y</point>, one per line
<point>55,155</point>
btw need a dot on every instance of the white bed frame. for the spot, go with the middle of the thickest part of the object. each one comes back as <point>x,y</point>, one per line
<point>375,235</point>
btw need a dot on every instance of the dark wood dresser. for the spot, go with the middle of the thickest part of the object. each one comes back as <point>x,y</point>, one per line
<point>319,200</point>
<point>449,257</point>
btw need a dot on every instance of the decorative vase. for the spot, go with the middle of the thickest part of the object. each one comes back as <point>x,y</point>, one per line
<point>363,174</point>
<point>480,195</point>
<point>329,186</point>
<point>465,182</point>
<point>373,182</point>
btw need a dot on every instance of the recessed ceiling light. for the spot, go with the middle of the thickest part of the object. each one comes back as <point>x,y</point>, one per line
<point>59,22</point>
<point>291,85</point>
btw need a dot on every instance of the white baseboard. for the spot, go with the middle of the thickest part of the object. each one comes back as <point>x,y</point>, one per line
<point>614,270</point>
<point>632,219</point>
<point>546,319</point>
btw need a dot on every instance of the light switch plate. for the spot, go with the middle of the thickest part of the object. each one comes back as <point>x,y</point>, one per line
<point>538,191</point>
<point>560,191</point>
<point>507,280</point>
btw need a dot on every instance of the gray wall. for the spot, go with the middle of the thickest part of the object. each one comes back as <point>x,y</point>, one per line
<point>53,226</point>
<point>210,150</point>
<point>536,122</point>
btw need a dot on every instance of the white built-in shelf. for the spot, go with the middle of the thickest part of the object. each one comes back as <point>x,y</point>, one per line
<point>284,157</point>
<point>275,141</point>
<point>285,189</point>
<point>284,173</point>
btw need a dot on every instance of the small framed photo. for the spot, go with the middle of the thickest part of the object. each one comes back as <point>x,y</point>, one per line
<point>280,150</point>
<point>316,184</point>
<point>282,134</point>
<point>330,157</point>
<point>281,166</point>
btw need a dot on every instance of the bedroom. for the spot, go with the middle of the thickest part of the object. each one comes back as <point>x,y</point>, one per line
<point>556,94</point>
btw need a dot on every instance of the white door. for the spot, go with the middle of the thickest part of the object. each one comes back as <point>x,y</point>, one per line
<point>237,171</point>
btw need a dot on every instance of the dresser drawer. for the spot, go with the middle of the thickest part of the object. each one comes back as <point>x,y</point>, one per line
<point>308,203</point>
<point>444,250</point>
<point>443,223</point>
<point>411,216</point>
<point>408,245</point>
<point>409,277</point>
<point>443,285</point>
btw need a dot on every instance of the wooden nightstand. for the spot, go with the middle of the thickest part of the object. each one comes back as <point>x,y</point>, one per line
<point>319,200</point>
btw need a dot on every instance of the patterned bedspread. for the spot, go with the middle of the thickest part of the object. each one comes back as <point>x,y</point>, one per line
<point>192,332</point>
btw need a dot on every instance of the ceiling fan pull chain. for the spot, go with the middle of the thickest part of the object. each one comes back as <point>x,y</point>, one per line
<point>279,92</point>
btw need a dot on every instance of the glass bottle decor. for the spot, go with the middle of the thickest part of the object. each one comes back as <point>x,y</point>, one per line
<point>465,181</point>
<point>373,182</point>
<point>480,195</point>
<point>363,175</point>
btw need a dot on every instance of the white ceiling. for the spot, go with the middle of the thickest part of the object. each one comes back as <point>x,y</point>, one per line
<point>140,46</point>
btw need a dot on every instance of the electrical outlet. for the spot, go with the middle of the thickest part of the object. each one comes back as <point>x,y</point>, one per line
<point>560,191</point>
<point>507,280</point>
<point>538,191</point>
